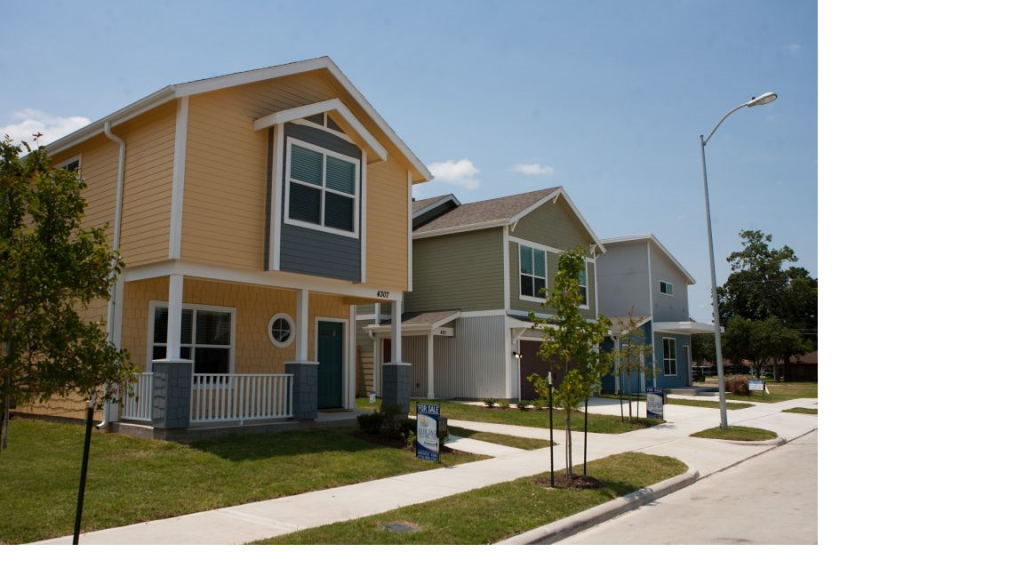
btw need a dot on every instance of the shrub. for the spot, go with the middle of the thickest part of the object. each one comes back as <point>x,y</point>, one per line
<point>370,423</point>
<point>524,404</point>
<point>503,404</point>
<point>737,384</point>
<point>490,402</point>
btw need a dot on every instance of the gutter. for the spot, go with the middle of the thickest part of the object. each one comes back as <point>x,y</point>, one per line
<point>108,406</point>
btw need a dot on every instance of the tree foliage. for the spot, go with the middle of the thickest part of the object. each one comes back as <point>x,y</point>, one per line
<point>572,344</point>
<point>631,359</point>
<point>50,270</point>
<point>759,341</point>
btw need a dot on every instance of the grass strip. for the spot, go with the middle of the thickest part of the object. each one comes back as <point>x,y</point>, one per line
<point>707,403</point>
<point>534,418</point>
<point>799,410</point>
<point>135,480</point>
<point>503,439</point>
<point>494,513</point>
<point>741,433</point>
<point>782,392</point>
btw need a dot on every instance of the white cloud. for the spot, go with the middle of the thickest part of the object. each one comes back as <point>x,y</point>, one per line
<point>28,122</point>
<point>533,169</point>
<point>458,172</point>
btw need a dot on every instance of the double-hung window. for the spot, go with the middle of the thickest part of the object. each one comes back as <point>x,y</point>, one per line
<point>583,286</point>
<point>532,272</point>
<point>665,288</point>
<point>668,348</point>
<point>323,189</point>
<point>205,338</point>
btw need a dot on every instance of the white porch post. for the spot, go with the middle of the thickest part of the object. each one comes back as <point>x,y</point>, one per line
<point>174,296</point>
<point>376,351</point>
<point>396,331</point>
<point>302,326</point>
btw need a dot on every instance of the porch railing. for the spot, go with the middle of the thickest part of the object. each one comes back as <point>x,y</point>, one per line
<point>240,397</point>
<point>139,405</point>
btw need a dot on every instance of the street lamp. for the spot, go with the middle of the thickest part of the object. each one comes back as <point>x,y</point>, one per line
<point>766,98</point>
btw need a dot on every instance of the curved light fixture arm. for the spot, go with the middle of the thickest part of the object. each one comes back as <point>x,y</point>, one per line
<point>704,141</point>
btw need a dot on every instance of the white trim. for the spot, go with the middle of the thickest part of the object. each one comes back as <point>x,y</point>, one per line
<point>178,179</point>
<point>535,245</point>
<point>362,219</point>
<point>526,297</point>
<point>408,181</point>
<point>510,391</point>
<point>175,292</point>
<point>650,281</point>
<point>332,131</point>
<point>507,263</point>
<point>350,366</point>
<point>435,202</point>
<point>154,100</point>
<point>397,307</point>
<point>430,366</point>
<point>357,193</point>
<point>291,330</point>
<point>333,105</point>
<point>274,279</point>
<point>554,196</point>
<point>302,326</point>
<point>671,288</point>
<point>665,359</point>
<point>683,328</point>
<point>346,344</point>
<point>75,158</point>
<point>460,229</point>
<point>150,326</point>
<point>276,195</point>
<point>482,313</point>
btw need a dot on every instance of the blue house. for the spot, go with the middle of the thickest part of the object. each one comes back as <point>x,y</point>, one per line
<point>638,277</point>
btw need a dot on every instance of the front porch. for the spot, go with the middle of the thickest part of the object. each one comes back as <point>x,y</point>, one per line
<point>167,404</point>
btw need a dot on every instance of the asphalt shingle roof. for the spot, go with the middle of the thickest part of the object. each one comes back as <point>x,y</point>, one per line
<point>493,210</point>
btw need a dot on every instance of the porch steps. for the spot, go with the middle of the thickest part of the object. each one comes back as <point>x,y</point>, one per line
<point>364,371</point>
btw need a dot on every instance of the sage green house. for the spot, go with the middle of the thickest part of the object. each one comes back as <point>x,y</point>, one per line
<point>478,270</point>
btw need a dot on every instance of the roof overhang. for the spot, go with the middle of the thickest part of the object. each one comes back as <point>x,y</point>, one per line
<point>651,238</point>
<point>420,172</point>
<point>559,193</point>
<point>415,326</point>
<point>685,328</point>
<point>340,113</point>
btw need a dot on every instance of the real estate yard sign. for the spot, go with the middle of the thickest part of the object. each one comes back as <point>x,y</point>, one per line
<point>428,446</point>
<point>656,403</point>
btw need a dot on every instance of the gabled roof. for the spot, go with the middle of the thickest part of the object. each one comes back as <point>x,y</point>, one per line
<point>504,211</point>
<point>421,206</point>
<point>651,239</point>
<point>169,93</point>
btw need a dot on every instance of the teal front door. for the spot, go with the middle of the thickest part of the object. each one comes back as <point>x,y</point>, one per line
<point>330,373</point>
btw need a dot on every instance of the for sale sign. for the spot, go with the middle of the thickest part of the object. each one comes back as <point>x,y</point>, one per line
<point>428,446</point>
<point>656,403</point>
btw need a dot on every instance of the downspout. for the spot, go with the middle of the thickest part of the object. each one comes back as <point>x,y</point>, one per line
<point>111,304</point>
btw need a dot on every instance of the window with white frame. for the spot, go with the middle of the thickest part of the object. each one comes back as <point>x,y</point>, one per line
<point>583,286</point>
<point>205,338</point>
<point>668,357</point>
<point>281,330</point>
<point>665,288</point>
<point>532,272</point>
<point>323,189</point>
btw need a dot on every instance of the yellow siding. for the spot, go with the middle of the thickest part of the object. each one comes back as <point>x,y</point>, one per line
<point>325,306</point>
<point>225,200</point>
<point>135,319</point>
<point>387,226</point>
<point>99,170</point>
<point>149,168</point>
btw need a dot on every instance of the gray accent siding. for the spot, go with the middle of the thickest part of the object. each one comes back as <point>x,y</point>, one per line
<point>414,351</point>
<point>623,280</point>
<point>472,364</point>
<point>313,252</point>
<point>457,272</point>
<point>674,308</point>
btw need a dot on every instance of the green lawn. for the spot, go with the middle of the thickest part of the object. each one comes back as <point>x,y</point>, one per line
<point>707,403</point>
<point>504,440</point>
<point>494,513</point>
<point>535,418</point>
<point>782,392</point>
<point>742,433</point>
<point>798,410</point>
<point>134,480</point>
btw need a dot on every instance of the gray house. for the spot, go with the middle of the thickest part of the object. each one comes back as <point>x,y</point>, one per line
<point>478,270</point>
<point>638,275</point>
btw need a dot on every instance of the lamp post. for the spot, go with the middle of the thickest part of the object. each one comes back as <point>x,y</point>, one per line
<point>766,98</point>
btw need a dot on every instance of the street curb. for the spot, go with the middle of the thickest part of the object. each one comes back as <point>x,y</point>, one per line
<point>561,529</point>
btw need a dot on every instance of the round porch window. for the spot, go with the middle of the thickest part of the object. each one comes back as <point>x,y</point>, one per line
<point>281,330</point>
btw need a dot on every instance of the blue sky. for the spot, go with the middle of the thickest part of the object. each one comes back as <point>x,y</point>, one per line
<point>607,99</point>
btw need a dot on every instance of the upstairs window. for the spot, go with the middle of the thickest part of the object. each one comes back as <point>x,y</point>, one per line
<point>665,288</point>
<point>322,191</point>
<point>532,272</point>
<point>583,287</point>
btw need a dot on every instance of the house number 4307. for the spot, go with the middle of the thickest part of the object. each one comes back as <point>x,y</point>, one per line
<point>382,293</point>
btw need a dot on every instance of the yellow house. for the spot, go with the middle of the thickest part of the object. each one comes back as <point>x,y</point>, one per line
<point>253,212</point>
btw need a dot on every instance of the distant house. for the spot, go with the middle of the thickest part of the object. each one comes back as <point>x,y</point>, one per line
<point>638,275</point>
<point>803,368</point>
<point>253,211</point>
<point>478,270</point>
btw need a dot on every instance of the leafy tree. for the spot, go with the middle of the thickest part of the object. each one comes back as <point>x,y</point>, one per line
<point>759,341</point>
<point>764,284</point>
<point>702,348</point>
<point>50,270</point>
<point>631,358</point>
<point>572,344</point>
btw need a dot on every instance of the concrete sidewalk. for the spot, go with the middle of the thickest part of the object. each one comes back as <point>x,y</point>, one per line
<point>258,520</point>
